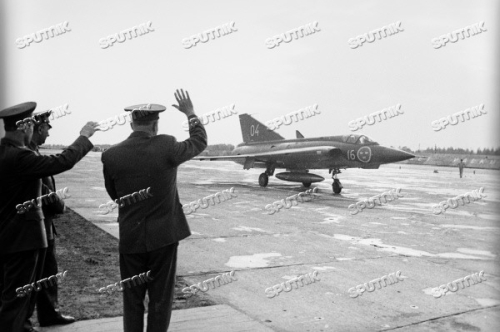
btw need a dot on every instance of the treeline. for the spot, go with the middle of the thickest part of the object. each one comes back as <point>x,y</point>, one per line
<point>451,150</point>
<point>221,147</point>
<point>218,150</point>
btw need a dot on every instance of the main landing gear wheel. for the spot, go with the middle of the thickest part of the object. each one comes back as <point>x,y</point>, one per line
<point>306,184</point>
<point>337,186</point>
<point>263,180</point>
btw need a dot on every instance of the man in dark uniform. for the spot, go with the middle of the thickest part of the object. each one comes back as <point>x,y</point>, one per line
<point>22,232</point>
<point>152,226</point>
<point>461,166</point>
<point>46,298</point>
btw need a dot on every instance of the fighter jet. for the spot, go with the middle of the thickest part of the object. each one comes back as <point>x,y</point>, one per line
<point>264,148</point>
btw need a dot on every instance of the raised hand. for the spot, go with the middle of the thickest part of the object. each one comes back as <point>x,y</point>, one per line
<point>185,104</point>
<point>89,129</point>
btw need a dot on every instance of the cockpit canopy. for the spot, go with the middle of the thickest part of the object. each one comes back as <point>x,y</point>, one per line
<point>358,139</point>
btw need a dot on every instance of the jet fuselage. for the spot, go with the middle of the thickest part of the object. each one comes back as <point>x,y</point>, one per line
<point>350,151</point>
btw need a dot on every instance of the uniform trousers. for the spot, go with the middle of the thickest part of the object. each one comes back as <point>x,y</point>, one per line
<point>162,263</point>
<point>17,270</point>
<point>46,298</point>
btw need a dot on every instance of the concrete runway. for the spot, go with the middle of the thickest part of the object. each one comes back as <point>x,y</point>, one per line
<point>346,250</point>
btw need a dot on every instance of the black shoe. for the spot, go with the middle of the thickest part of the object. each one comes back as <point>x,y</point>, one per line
<point>61,320</point>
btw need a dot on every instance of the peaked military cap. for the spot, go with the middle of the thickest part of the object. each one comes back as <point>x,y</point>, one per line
<point>16,113</point>
<point>145,112</point>
<point>42,117</point>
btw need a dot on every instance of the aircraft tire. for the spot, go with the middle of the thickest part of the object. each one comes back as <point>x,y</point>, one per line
<point>336,187</point>
<point>263,180</point>
<point>306,184</point>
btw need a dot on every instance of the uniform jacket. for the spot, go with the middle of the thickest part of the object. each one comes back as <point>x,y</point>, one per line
<point>143,161</point>
<point>21,171</point>
<point>50,210</point>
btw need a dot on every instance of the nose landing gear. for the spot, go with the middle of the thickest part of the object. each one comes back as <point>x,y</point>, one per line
<point>336,185</point>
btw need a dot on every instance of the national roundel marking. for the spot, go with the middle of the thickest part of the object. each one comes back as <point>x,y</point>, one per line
<point>365,154</point>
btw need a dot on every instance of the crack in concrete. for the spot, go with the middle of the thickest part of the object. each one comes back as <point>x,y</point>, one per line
<point>437,318</point>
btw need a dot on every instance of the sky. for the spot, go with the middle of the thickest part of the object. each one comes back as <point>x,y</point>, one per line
<point>240,69</point>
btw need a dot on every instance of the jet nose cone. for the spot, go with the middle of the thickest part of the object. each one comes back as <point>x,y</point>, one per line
<point>398,155</point>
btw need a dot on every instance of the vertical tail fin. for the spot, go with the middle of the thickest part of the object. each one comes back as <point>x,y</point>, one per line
<point>254,131</point>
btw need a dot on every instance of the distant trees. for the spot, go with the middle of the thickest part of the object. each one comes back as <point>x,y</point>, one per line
<point>218,150</point>
<point>54,146</point>
<point>451,150</point>
<point>221,147</point>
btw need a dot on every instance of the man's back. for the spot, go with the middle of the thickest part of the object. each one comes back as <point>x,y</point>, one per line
<point>140,162</point>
